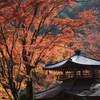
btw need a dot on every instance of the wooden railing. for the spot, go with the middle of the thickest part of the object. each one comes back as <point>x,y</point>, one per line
<point>61,77</point>
<point>72,75</point>
<point>97,75</point>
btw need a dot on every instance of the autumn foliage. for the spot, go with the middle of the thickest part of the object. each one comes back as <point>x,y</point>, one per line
<point>28,41</point>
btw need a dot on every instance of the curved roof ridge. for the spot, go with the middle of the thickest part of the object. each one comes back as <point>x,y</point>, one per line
<point>77,59</point>
<point>56,64</point>
<point>84,60</point>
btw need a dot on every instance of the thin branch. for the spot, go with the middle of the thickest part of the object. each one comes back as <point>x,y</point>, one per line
<point>6,46</point>
<point>8,94</point>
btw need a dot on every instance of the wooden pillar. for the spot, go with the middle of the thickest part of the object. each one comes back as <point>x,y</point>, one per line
<point>81,73</point>
<point>93,73</point>
<point>64,72</point>
<point>75,73</point>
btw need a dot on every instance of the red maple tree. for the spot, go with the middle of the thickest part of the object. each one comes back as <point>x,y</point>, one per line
<point>27,39</point>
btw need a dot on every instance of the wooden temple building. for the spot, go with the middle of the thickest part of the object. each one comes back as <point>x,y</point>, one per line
<point>80,80</point>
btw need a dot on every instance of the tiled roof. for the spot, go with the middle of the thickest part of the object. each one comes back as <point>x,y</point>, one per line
<point>76,87</point>
<point>75,59</point>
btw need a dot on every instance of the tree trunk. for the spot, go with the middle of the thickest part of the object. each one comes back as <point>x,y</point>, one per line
<point>29,86</point>
<point>13,90</point>
<point>29,90</point>
<point>15,96</point>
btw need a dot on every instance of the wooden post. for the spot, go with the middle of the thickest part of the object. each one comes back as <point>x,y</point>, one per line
<point>64,72</point>
<point>93,73</point>
<point>75,73</point>
<point>81,73</point>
